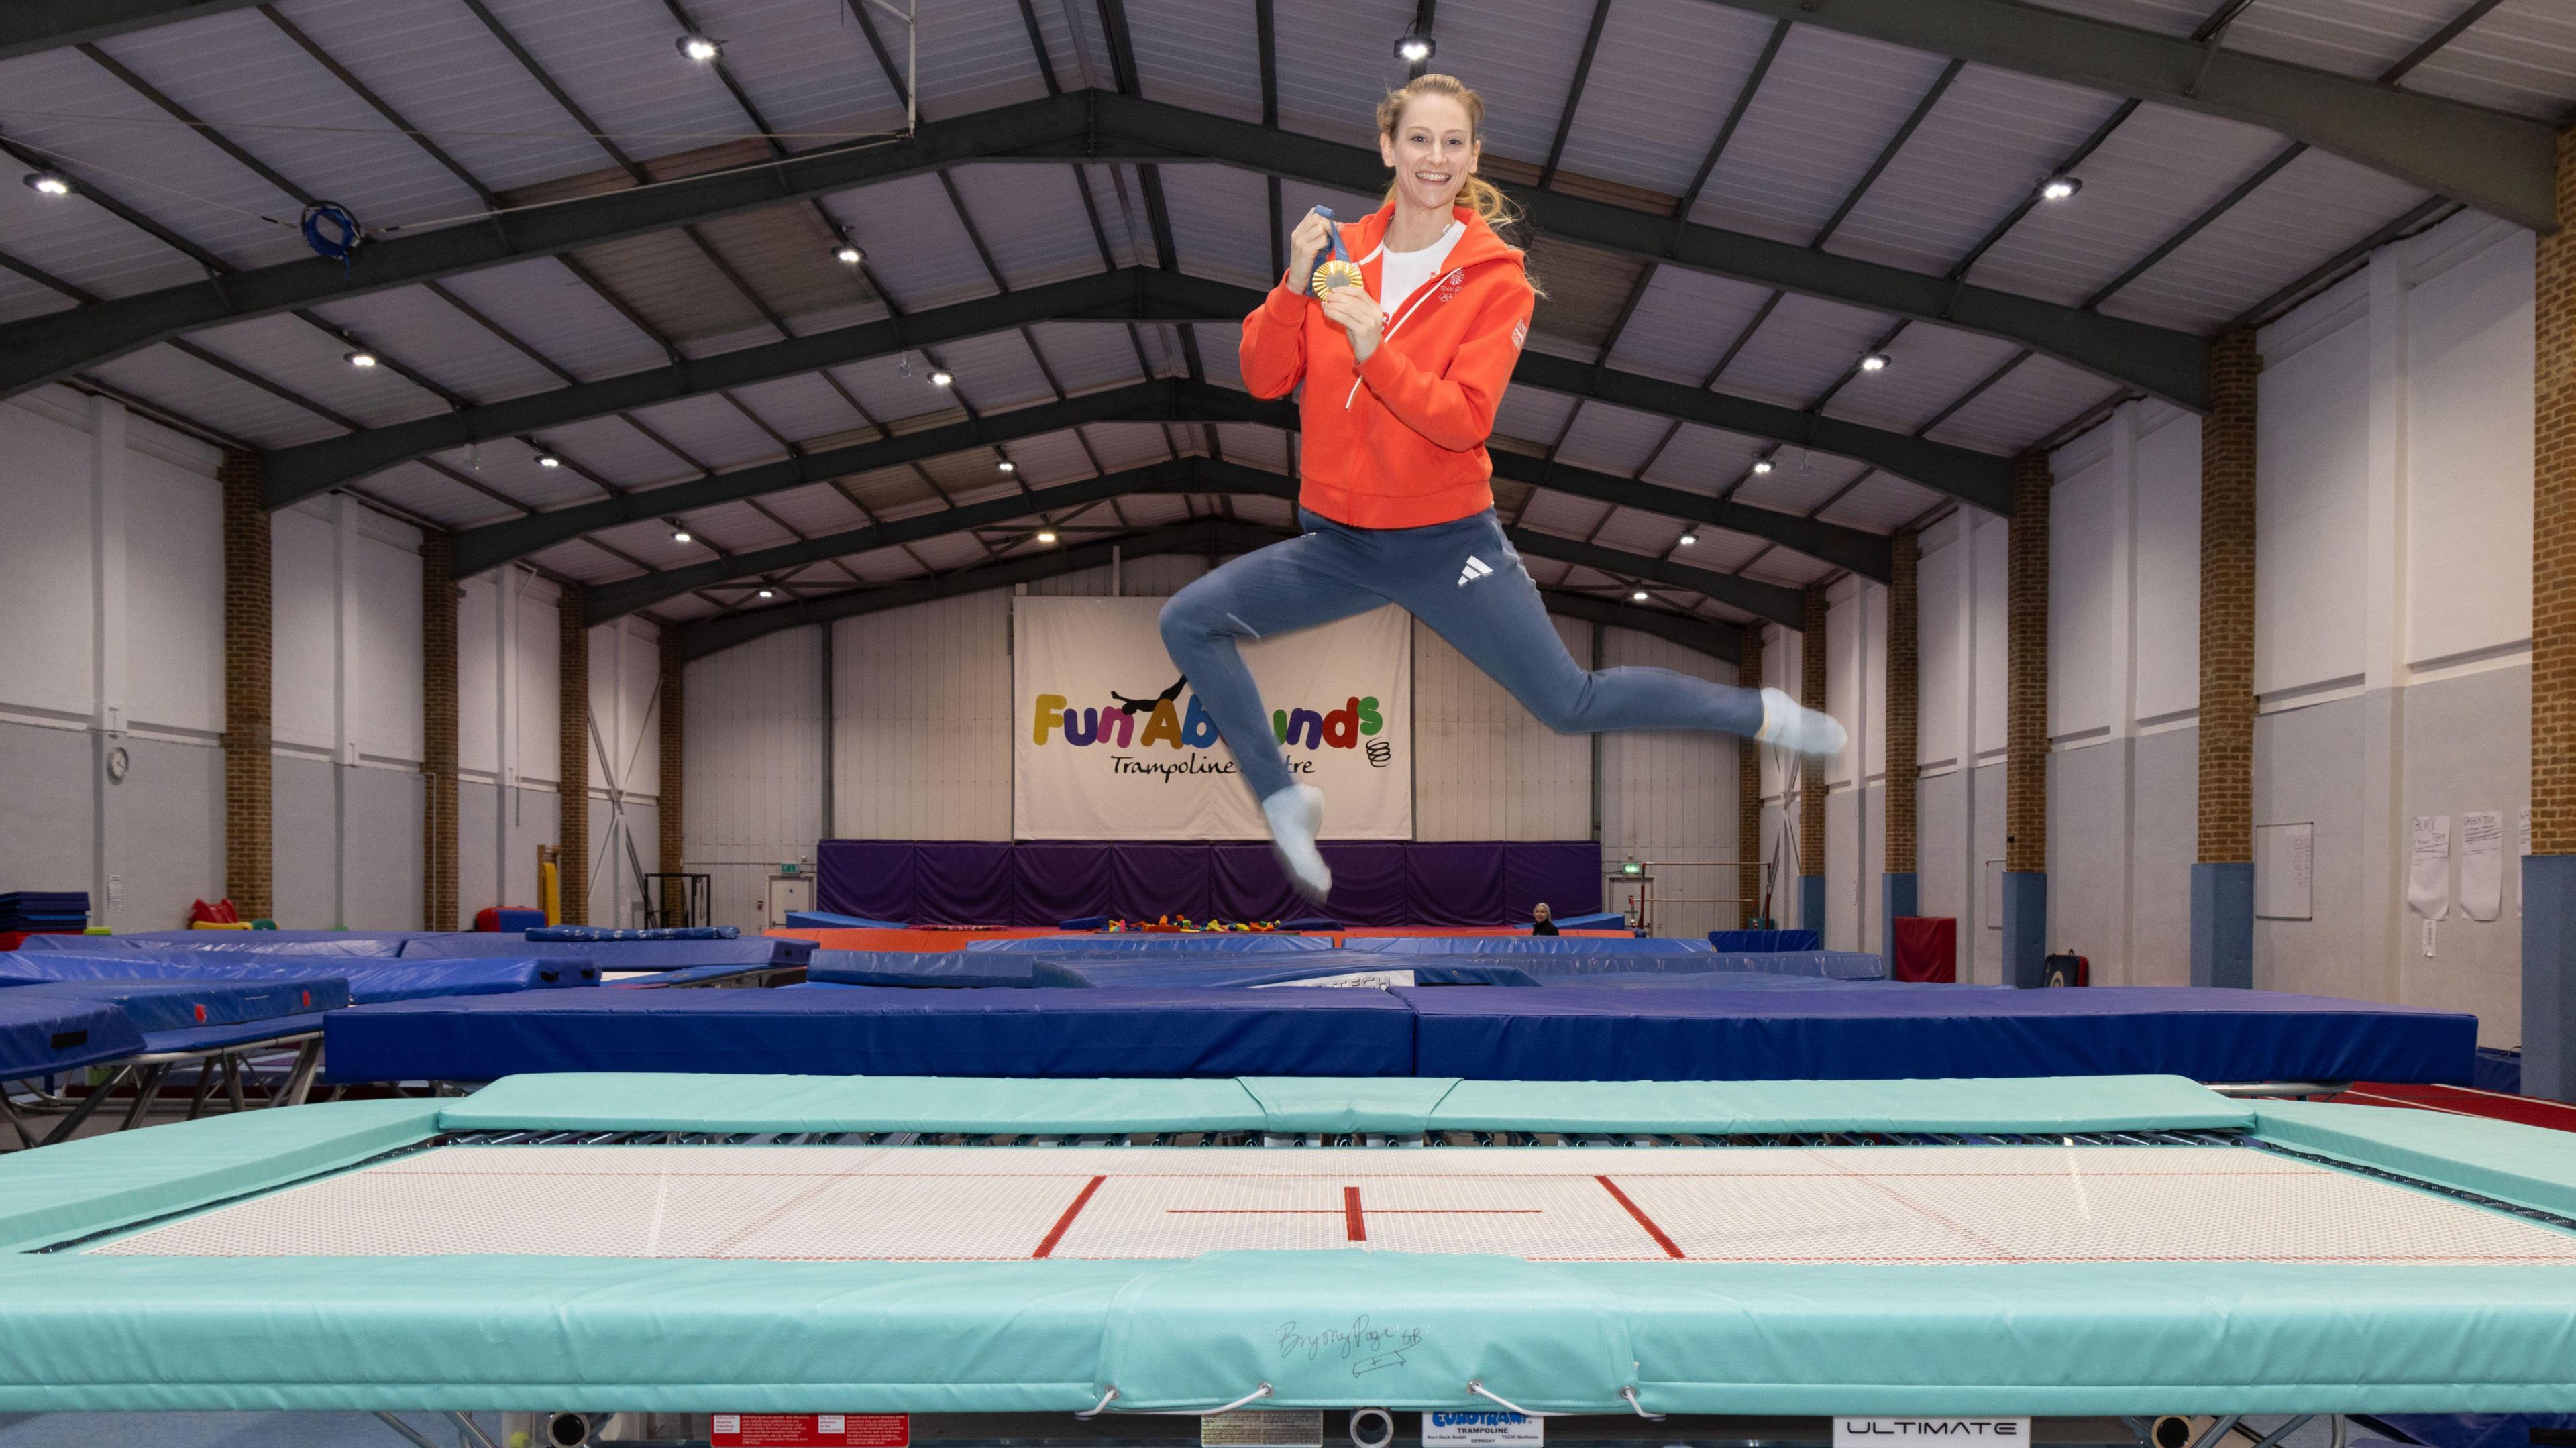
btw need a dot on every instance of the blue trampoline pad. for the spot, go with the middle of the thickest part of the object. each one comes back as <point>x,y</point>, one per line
<point>1883,1033</point>
<point>41,1034</point>
<point>354,944</point>
<point>938,968</point>
<point>614,955</point>
<point>171,1005</point>
<point>369,980</point>
<point>1140,943</point>
<point>238,1033</point>
<point>1312,969</point>
<point>1525,945</point>
<point>865,1030</point>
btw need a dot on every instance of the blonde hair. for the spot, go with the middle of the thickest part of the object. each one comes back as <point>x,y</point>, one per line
<point>1478,195</point>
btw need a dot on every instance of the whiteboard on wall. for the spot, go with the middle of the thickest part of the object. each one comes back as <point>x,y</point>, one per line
<point>2285,858</point>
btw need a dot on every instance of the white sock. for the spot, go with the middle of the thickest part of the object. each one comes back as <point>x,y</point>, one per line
<point>1296,817</point>
<point>1797,728</point>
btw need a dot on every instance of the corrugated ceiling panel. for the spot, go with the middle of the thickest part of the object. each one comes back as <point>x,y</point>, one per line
<point>1296,199</point>
<point>431,494</point>
<point>975,55</point>
<point>1032,218</point>
<point>1048,459</point>
<point>1801,483</point>
<point>881,565</point>
<point>1881,503</point>
<point>616,59</point>
<point>1336,60</point>
<point>1928,367</point>
<point>1069,44</point>
<point>1684,324</point>
<point>1520,56</point>
<point>2164,17</point>
<point>889,396</point>
<point>1662,81</point>
<point>509,466</point>
<point>1221,353</point>
<point>1790,570</point>
<point>582,562</point>
<point>971,477</point>
<point>425,331</point>
<point>1801,348</point>
<point>1612,439</point>
<point>1533,416</point>
<point>1155,510</point>
<point>737,527</point>
<point>951,550</point>
<point>2034,400</point>
<point>1123,445</point>
<point>1720,550</point>
<point>1123,226</point>
<point>2522,57</point>
<point>613,449</point>
<point>894,493</point>
<point>1269,512</point>
<point>1632,531</point>
<point>1988,143</point>
<point>711,431</point>
<point>801,407</point>
<point>23,297</point>
<point>1086,356</point>
<point>1258,447</point>
<point>917,248</point>
<point>259,89</point>
<point>313,364</point>
<point>995,371</point>
<point>1704,460</point>
<point>807,67</point>
<point>550,309</point>
<point>1829,105</point>
<point>784,255</point>
<point>649,542</point>
<point>668,279</point>
<point>2318,205</point>
<point>1585,292</point>
<point>1206,57</point>
<point>2162,168</point>
<point>1221,223</point>
<point>816,510</point>
<point>209,395</point>
<point>442,71</point>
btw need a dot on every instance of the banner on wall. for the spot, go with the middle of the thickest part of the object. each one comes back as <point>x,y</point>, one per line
<point>1111,743</point>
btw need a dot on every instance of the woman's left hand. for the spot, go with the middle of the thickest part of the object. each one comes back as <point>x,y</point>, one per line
<point>1356,311</point>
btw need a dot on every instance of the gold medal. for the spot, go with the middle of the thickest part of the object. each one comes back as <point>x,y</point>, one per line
<point>1334,275</point>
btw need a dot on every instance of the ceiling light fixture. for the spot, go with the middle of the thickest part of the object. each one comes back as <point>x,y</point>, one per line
<point>1689,537</point>
<point>49,183</point>
<point>700,48</point>
<point>1637,597</point>
<point>682,535</point>
<point>2060,188</point>
<point>942,377</point>
<point>1762,467</point>
<point>1046,535</point>
<point>549,460</point>
<point>1413,47</point>
<point>767,593</point>
<point>360,359</point>
<point>1874,362</point>
<point>1007,466</point>
<point>848,255</point>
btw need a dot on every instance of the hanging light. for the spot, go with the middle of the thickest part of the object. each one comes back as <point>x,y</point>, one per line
<point>1639,596</point>
<point>549,460</point>
<point>1762,467</point>
<point>49,183</point>
<point>1006,466</point>
<point>361,359</point>
<point>1874,362</point>
<point>848,254</point>
<point>1689,537</point>
<point>700,48</point>
<point>767,593</point>
<point>942,377</point>
<point>682,535</point>
<point>2060,187</point>
<point>1414,47</point>
<point>1046,535</point>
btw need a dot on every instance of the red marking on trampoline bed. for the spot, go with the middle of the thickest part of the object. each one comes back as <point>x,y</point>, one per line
<point>1064,1223</point>
<point>1354,1222</point>
<point>1671,1249</point>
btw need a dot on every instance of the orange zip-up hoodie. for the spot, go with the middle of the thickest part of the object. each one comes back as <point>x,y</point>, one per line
<point>1398,442</point>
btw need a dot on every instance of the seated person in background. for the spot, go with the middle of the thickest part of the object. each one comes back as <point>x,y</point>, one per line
<point>1541,921</point>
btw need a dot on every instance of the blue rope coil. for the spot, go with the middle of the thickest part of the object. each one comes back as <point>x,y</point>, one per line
<point>332,231</point>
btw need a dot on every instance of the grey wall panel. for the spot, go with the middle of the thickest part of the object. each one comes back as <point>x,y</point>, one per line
<point>2088,855</point>
<point>172,804</point>
<point>45,809</point>
<point>1981,945</point>
<point>2164,828</point>
<point>1943,880</point>
<point>474,878</point>
<point>304,831</point>
<point>382,888</point>
<point>2468,748</point>
<point>2305,764</point>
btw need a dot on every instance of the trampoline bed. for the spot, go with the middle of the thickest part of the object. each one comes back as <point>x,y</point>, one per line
<point>2099,1246</point>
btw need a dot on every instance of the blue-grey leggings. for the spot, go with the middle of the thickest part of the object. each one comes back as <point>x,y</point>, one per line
<point>1466,581</point>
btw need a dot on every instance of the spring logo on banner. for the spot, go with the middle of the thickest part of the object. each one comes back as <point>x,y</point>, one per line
<point>1112,743</point>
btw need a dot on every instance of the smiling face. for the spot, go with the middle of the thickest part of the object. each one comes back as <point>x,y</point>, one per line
<point>1433,151</point>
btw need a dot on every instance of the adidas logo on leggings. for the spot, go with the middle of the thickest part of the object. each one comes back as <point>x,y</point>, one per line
<point>1476,568</point>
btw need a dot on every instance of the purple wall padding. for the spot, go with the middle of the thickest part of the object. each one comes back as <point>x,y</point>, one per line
<point>942,882</point>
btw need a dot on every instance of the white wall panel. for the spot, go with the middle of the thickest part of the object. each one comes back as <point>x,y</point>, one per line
<point>538,656</point>
<point>2469,375</point>
<point>385,660</point>
<point>2311,460</point>
<point>754,752</point>
<point>1483,768</point>
<point>44,562</point>
<point>1940,643</point>
<point>304,590</point>
<point>2167,530</point>
<point>1990,537</point>
<point>2085,698</point>
<point>174,580</point>
<point>922,722</point>
<point>1671,799</point>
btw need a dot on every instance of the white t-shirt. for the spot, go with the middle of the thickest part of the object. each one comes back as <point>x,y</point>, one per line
<point>1402,273</point>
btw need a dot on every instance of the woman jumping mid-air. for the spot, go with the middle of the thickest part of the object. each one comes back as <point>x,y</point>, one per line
<point>1402,374</point>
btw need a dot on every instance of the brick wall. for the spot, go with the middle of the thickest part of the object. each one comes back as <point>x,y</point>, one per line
<point>2026,669</point>
<point>248,801</point>
<point>438,730</point>
<point>2227,600</point>
<point>572,745</point>
<point>2553,534</point>
<point>674,719</point>
<point>1748,792</point>
<point>1904,704</point>
<point>1811,786</point>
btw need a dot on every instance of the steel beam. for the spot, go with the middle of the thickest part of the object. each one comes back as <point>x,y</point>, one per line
<point>1129,294</point>
<point>1101,127</point>
<point>2501,164</point>
<point>28,26</point>
<point>1180,475</point>
<point>1207,535</point>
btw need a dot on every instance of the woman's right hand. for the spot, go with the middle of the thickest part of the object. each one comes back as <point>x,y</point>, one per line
<point>1311,239</point>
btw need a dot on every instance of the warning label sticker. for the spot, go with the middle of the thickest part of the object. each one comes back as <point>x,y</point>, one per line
<point>811,1430</point>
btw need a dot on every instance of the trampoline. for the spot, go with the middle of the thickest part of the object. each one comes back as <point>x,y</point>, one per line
<point>2100,1246</point>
